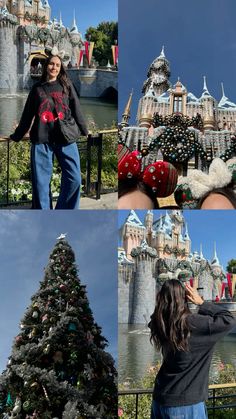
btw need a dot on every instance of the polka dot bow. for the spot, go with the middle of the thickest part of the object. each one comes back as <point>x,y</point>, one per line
<point>161,176</point>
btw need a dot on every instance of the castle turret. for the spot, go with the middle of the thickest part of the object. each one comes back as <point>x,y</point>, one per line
<point>133,232</point>
<point>156,84</point>
<point>144,283</point>
<point>8,50</point>
<point>187,241</point>
<point>148,224</point>
<point>125,286</point>
<point>208,108</point>
<point>178,98</point>
<point>47,11</point>
<point>126,114</point>
<point>160,237</point>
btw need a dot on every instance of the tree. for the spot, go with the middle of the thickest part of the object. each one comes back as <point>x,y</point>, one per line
<point>58,367</point>
<point>231,267</point>
<point>104,36</point>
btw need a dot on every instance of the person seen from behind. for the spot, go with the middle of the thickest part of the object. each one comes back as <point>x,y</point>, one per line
<point>187,342</point>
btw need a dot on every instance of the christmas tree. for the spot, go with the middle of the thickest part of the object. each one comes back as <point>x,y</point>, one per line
<point>58,367</point>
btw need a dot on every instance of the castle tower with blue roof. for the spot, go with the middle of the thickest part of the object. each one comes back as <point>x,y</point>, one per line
<point>154,251</point>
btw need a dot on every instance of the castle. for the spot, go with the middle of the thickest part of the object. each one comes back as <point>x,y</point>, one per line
<point>214,139</point>
<point>153,252</point>
<point>26,30</point>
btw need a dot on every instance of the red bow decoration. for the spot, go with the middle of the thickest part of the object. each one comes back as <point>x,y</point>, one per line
<point>161,176</point>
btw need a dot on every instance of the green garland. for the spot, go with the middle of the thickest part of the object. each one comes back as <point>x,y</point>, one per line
<point>35,18</point>
<point>174,250</point>
<point>178,119</point>
<point>187,265</point>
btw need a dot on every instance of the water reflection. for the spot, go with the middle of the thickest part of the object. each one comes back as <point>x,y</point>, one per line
<point>97,112</point>
<point>136,354</point>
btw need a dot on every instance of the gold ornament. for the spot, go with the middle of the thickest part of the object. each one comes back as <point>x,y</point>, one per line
<point>34,332</point>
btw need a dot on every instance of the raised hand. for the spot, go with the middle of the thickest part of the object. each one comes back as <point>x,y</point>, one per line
<point>192,295</point>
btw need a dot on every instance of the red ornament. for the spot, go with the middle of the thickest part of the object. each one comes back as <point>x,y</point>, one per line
<point>130,166</point>
<point>44,318</point>
<point>18,339</point>
<point>62,287</point>
<point>162,177</point>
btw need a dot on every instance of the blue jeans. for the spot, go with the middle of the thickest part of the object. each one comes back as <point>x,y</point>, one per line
<point>42,156</point>
<point>195,411</point>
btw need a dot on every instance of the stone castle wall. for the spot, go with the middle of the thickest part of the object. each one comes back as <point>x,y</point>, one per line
<point>8,56</point>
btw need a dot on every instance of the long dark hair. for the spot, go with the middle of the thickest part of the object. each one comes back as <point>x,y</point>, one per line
<point>129,185</point>
<point>62,76</point>
<point>169,325</point>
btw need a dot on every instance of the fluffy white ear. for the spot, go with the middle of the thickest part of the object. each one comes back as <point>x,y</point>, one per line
<point>219,176</point>
<point>219,173</point>
<point>198,183</point>
<point>54,50</point>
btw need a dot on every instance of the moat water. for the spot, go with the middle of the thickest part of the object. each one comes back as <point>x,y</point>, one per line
<point>97,112</point>
<point>137,355</point>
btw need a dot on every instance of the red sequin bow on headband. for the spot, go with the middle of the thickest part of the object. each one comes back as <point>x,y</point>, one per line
<point>161,176</point>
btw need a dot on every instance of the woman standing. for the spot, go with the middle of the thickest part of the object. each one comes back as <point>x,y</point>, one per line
<point>187,342</point>
<point>54,108</point>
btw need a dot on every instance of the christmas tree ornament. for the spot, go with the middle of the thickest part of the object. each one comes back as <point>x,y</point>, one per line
<point>35,314</point>
<point>17,408</point>
<point>62,287</point>
<point>19,339</point>
<point>26,406</point>
<point>44,318</point>
<point>46,350</point>
<point>72,327</point>
<point>34,385</point>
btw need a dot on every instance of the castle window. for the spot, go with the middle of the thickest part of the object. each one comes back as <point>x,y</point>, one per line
<point>175,240</point>
<point>177,103</point>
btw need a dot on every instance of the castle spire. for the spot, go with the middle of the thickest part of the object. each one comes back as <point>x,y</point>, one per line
<point>215,260</point>
<point>60,20</point>
<point>46,4</point>
<point>162,54</point>
<point>205,89</point>
<point>160,227</point>
<point>186,235</point>
<point>201,253</point>
<point>133,219</point>
<point>126,114</point>
<point>223,91</point>
<point>74,28</point>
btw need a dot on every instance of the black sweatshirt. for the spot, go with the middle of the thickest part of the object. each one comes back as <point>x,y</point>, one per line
<point>183,377</point>
<point>39,107</point>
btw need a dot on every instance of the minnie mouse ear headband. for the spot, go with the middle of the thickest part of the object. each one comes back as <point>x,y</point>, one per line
<point>56,53</point>
<point>160,176</point>
<point>193,187</point>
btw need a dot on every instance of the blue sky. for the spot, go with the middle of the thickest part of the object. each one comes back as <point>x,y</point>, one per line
<point>26,240</point>
<point>87,14</point>
<point>199,38</point>
<point>205,227</point>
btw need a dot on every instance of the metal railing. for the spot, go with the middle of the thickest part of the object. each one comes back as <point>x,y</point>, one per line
<point>91,152</point>
<point>212,405</point>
